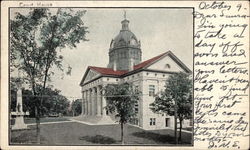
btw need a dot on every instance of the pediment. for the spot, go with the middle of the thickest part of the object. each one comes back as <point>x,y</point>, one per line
<point>169,63</point>
<point>90,75</point>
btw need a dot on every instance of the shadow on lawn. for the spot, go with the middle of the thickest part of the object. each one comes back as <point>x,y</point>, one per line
<point>158,138</point>
<point>99,139</point>
<point>27,136</point>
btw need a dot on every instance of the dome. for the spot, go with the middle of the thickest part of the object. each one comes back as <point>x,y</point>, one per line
<point>125,38</point>
<point>124,51</point>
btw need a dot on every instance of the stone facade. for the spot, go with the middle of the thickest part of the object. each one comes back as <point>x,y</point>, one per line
<point>125,66</point>
<point>146,82</point>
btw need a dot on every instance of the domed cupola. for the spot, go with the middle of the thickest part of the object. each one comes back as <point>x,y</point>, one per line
<point>124,50</point>
<point>125,38</point>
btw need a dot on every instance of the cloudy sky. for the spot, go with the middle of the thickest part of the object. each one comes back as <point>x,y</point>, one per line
<point>159,30</point>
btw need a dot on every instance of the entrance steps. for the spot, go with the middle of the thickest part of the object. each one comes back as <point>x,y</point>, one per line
<point>95,120</point>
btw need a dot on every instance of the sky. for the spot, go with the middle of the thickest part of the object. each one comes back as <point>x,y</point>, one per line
<point>159,30</point>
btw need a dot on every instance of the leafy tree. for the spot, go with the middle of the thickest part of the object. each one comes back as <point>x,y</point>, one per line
<point>53,101</point>
<point>176,99</point>
<point>121,100</point>
<point>77,107</point>
<point>36,38</point>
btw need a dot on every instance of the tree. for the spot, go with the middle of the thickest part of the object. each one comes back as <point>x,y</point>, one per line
<point>77,107</point>
<point>36,38</point>
<point>175,100</point>
<point>53,101</point>
<point>121,100</point>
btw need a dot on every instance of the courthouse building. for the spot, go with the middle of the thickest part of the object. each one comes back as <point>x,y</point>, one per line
<point>125,65</point>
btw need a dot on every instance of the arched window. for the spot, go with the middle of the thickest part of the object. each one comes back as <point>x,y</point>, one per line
<point>133,41</point>
<point>167,66</point>
<point>122,42</point>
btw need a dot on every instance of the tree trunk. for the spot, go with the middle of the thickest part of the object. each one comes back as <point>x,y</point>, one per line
<point>122,138</point>
<point>38,136</point>
<point>39,108</point>
<point>179,140</point>
<point>175,122</point>
<point>175,130</point>
<point>37,113</point>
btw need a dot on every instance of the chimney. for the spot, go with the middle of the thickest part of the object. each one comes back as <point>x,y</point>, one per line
<point>131,65</point>
<point>114,66</point>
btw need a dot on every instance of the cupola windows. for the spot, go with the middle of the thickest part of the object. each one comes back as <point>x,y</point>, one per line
<point>133,42</point>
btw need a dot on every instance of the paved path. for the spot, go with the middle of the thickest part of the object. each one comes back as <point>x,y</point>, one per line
<point>51,122</point>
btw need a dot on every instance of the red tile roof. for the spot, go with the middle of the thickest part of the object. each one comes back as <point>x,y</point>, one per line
<point>118,73</point>
<point>110,71</point>
<point>149,61</point>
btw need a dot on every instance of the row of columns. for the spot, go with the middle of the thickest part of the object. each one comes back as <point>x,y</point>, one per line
<point>93,102</point>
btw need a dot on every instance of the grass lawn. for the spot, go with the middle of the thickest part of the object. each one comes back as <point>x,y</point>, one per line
<point>73,133</point>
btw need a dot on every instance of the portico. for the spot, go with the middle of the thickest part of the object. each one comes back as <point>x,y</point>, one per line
<point>93,101</point>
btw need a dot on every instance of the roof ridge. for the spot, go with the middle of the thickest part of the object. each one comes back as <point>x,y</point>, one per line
<point>105,68</point>
<point>98,67</point>
<point>146,62</point>
<point>138,66</point>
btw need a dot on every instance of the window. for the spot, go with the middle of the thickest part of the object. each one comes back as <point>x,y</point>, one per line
<point>151,90</point>
<point>136,121</point>
<point>122,42</point>
<point>137,88</point>
<point>167,66</point>
<point>152,121</point>
<point>133,41</point>
<point>167,122</point>
<point>137,102</point>
<point>136,107</point>
<point>190,122</point>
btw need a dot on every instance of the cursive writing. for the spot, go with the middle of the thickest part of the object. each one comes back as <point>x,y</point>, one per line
<point>221,74</point>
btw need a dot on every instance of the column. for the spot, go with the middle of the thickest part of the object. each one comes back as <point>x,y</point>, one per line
<point>98,103</point>
<point>93,101</point>
<point>103,104</point>
<point>86,103</point>
<point>83,109</point>
<point>90,101</point>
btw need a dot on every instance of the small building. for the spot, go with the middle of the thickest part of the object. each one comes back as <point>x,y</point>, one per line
<point>125,65</point>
